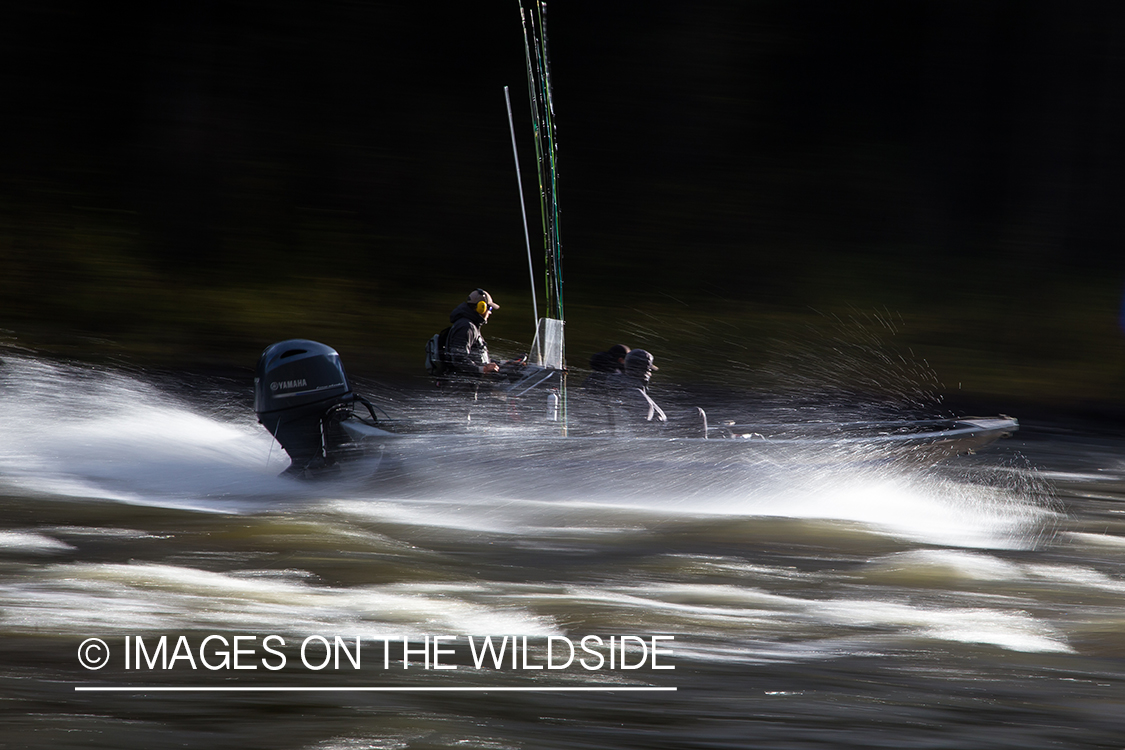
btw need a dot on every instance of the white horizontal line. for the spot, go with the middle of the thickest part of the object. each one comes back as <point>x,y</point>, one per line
<point>359,689</point>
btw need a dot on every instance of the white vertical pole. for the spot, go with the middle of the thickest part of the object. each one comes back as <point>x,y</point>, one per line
<point>523,211</point>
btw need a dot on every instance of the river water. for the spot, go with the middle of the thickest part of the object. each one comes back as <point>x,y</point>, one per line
<point>973,603</point>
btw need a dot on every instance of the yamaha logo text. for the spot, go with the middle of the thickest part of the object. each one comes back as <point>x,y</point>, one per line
<point>284,385</point>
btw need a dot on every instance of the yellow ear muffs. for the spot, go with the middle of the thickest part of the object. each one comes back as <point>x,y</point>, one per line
<point>482,307</point>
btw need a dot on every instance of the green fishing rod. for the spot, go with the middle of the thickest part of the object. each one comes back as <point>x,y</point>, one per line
<point>554,243</point>
<point>546,152</point>
<point>533,98</point>
<point>552,151</point>
<point>537,99</point>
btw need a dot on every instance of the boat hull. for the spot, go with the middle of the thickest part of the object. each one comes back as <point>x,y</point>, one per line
<point>517,462</point>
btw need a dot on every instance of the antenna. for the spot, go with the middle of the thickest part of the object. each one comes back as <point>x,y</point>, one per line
<point>523,211</point>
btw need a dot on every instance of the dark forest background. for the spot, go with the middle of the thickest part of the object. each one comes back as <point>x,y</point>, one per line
<point>746,187</point>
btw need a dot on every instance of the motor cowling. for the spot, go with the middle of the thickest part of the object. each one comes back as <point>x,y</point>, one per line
<point>297,385</point>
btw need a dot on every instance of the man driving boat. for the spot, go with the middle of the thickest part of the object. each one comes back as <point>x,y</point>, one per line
<point>465,348</point>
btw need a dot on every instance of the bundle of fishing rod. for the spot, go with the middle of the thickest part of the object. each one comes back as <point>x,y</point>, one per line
<point>549,343</point>
<point>546,146</point>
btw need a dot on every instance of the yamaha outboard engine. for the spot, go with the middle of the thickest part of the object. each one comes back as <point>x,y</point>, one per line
<point>300,393</point>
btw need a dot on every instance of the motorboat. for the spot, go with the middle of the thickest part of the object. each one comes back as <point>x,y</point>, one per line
<point>303,397</point>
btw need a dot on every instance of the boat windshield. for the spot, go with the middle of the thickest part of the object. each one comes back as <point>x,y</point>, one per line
<point>548,344</point>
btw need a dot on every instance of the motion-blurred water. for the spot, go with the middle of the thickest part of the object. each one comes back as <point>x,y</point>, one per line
<point>972,604</point>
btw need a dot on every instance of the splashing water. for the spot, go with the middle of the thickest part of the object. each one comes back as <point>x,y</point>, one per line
<point>807,586</point>
<point>80,432</point>
<point>83,432</point>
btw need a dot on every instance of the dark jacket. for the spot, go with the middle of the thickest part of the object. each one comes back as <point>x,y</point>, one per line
<point>632,407</point>
<point>603,365</point>
<point>465,347</point>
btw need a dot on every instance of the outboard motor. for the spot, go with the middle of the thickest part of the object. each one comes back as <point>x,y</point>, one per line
<point>300,394</point>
